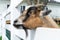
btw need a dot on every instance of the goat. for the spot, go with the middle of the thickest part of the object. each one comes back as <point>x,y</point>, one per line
<point>33,18</point>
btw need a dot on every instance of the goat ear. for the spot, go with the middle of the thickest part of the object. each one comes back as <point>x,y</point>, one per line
<point>45,13</point>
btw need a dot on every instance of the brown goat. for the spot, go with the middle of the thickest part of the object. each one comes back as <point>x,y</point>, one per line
<point>35,17</point>
<point>36,20</point>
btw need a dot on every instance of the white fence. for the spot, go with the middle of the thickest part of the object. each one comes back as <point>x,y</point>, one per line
<point>8,31</point>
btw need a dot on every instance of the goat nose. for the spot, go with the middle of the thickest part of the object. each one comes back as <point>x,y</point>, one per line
<point>15,25</point>
<point>15,21</point>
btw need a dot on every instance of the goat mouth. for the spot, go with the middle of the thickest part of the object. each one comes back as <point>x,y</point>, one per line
<point>17,25</point>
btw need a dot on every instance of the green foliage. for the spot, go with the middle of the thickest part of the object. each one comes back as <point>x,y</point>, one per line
<point>59,24</point>
<point>0,37</point>
<point>8,34</point>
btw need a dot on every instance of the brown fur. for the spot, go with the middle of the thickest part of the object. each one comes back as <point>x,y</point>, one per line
<point>35,21</point>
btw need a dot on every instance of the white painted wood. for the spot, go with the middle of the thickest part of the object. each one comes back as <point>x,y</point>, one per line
<point>47,34</point>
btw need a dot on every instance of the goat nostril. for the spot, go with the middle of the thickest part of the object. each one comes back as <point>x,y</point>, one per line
<point>15,21</point>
